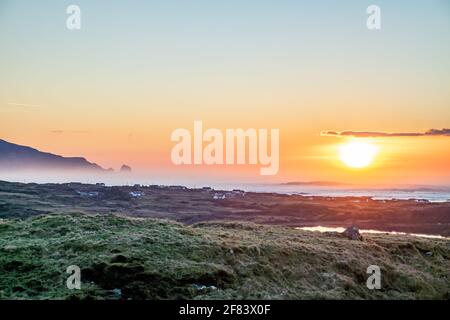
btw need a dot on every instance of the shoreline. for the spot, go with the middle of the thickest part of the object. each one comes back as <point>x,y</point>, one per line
<point>320,192</point>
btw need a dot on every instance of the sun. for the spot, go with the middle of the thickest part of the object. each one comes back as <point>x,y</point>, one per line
<point>357,154</point>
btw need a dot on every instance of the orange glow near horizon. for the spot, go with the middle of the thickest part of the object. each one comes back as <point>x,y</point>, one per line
<point>304,156</point>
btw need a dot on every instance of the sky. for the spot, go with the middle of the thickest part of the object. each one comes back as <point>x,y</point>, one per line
<point>114,90</point>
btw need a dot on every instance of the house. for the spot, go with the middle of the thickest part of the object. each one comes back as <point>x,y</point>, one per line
<point>137,194</point>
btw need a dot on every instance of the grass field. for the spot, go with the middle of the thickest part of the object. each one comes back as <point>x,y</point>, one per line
<point>190,206</point>
<point>134,258</point>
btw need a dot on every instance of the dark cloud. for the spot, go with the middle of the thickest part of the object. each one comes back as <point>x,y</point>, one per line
<point>376,134</point>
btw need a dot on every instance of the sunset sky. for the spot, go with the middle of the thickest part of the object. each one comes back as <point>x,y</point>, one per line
<point>137,70</point>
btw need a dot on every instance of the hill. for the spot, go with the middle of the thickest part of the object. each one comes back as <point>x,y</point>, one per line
<point>131,258</point>
<point>17,157</point>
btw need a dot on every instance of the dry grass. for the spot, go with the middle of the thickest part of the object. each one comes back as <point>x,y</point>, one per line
<point>159,259</point>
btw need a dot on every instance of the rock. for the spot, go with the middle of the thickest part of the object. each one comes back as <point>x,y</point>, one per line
<point>125,168</point>
<point>352,233</point>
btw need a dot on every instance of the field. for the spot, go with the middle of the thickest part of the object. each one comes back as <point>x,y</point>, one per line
<point>129,258</point>
<point>139,257</point>
<point>199,205</point>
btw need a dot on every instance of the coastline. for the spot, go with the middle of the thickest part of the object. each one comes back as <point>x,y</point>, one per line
<point>191,206</point>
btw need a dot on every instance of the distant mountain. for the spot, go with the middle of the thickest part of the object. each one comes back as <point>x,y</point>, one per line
<point>17,157</point>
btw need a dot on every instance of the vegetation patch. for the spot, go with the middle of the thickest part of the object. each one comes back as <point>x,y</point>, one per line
<point>129,258</point>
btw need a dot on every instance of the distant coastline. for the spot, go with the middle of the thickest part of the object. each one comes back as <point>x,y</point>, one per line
<point>204,203</point>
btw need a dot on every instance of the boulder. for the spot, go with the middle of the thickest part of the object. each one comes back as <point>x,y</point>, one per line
<point>352,233</point>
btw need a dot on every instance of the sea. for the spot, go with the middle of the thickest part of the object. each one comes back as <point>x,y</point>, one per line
<point>420,194</point>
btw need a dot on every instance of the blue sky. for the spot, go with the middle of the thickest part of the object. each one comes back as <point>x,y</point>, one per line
<point>142,68</point>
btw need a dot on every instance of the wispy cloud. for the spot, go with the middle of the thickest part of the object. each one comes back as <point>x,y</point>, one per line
<point>14,104</point>
<point>67,131</point>
<point>377,134</point>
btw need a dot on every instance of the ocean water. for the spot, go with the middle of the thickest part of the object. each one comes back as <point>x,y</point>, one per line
<point>431,194</point>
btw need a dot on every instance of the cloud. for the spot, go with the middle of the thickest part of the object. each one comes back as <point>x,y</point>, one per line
<point>378,134</point>
<point>68,131</point>
<point>14,104</point>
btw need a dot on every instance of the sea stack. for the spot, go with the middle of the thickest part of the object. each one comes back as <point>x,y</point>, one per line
<point>125,168</point>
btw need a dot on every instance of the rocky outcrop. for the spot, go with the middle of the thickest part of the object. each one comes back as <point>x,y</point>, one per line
<point>352,233</point>
<point>125,168</point>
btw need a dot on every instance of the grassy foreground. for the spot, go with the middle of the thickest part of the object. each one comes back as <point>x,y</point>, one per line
<point>128,258</point>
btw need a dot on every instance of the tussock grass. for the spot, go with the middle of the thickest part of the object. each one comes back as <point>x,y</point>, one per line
<point>161,259</point>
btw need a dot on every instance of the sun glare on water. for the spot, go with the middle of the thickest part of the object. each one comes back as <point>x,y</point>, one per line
<point>357,154</point>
